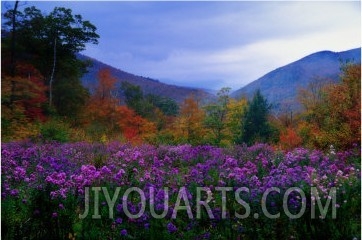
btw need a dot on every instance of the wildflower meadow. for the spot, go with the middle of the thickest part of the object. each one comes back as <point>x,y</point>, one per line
<point>119,191</point>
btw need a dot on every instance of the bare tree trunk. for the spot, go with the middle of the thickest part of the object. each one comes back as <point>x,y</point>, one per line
<point>52,75</point>
<point>12,57</point>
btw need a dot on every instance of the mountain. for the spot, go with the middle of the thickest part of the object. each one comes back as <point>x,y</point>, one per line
<point>281,85</point>
<point>148,85</point>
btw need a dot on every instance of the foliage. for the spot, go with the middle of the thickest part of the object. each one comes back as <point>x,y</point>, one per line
<point>18,127</point>
<point>148,106</point>
<point>105,116</point>
<point>188,126</point>
<point>24,91</point>
<point>40,65</point>
<point>332,111</point>
<point>70,97</point>
<point>22,103</point>
<point>55,130</point>
<point>216,116</point>
<point>134,127</point>
<point>255,127</point>
<point>50,44</point>
<point>134,98</point>
<point>166,105</point>
<point>290,139</point>
<point>235,115</point>
<point>99,115</point>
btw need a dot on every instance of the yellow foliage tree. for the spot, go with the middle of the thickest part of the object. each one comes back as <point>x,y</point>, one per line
<point>188,126</point>
<point>235,112</point>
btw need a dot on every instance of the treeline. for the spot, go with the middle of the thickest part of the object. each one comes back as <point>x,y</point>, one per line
<point>40,72</point>
<point>43,98</point>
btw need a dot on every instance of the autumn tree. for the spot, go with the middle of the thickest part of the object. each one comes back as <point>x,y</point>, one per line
<point>313,100</point>
<point>135,129</point>
<point>289,139</point>
<point>157,109</point>
<point>235,115</point>
<point>188,126</point>
<point>286,114</point>
<point>334,119</point>
<point>107,118</point>
<point>51,43</point>
<point>351,109</point>
<point>101,107</point>
<point>22,101</point>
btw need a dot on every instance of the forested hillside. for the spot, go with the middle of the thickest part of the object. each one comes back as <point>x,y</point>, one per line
<point>148,85</point>
<point>48,94</point>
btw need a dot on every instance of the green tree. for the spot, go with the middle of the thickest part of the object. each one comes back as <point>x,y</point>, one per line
<point>255,127</point>
<point>132,93</point>
<point>164,109</point>
<point>216,116</point>
<point>134,99</point>
<point>51,43</point>
<point>168,106</point>
<point>145,105</point>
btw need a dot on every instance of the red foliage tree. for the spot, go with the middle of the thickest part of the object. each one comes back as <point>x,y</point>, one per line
<point>290,139</point>
<point>27,91</point>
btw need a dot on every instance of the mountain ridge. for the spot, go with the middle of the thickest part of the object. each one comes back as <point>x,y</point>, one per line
<point>148,85</point>
<point>281,85</point>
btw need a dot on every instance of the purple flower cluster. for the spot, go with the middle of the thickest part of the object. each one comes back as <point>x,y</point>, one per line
<point>171,228</point>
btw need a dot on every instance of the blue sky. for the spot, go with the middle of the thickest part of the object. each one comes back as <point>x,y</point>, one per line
<point>213,44</point>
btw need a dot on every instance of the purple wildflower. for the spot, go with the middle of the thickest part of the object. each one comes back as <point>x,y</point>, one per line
<point>119,221</point>
<point>123,232</point>
<point>171,228</point>
<point>14,192</point>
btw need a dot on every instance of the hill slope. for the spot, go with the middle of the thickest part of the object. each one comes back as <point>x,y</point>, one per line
<point>148,85</point>
<point>281,86</point>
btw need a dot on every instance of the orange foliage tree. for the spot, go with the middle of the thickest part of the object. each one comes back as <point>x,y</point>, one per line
<point>26,90</point>
<point>135,128</point>
<point>23,97</point>
<point>332,115</point>
<point>188,126</point>
<point>100,111</point>
<point>107,117</point>
<point>289,139</point>
<point>344,108</point>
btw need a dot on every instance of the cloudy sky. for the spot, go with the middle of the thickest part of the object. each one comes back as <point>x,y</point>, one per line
<point>213,44</point>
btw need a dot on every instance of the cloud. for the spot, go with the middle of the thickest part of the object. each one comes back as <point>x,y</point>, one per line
<point>215,44</point>
<point>236,66</point>
<point>283,35</point>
